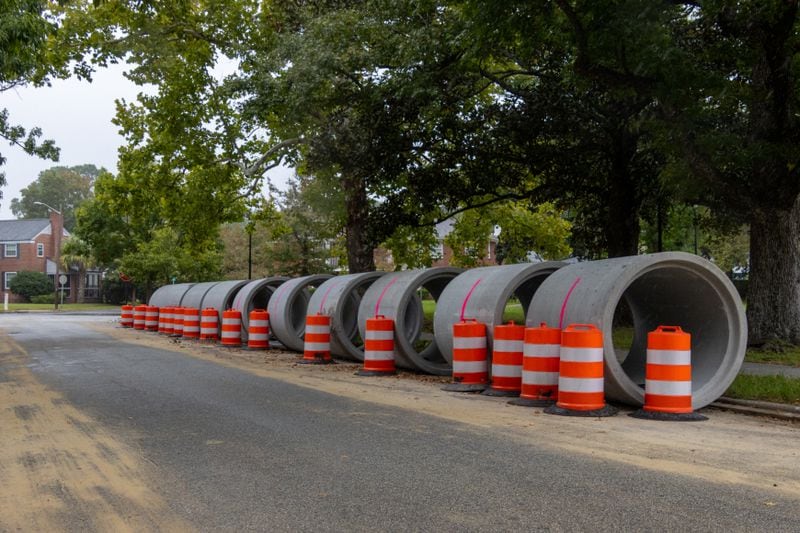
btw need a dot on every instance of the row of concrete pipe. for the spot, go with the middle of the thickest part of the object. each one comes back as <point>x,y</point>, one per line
<point>670,288</point>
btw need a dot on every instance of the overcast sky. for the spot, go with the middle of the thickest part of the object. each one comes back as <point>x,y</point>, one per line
<point>77,115</point>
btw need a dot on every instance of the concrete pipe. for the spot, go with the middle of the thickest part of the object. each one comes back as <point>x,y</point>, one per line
<point>221,296</point>
<point>482,294</point>
<point>674,289</point>
<point>169,295</point>
<point>340,298</point>
<point>395,296</point>
<point>195,295</point>
<point>255,295</point>
<point>288,308</point>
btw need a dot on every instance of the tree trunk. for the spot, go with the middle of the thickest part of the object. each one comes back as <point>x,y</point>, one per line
<point>622,222</point>
<point>773,293</point>
<point>359,246</point>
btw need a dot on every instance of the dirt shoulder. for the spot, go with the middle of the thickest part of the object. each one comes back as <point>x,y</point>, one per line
<point>728,448</point>
<point>60,469</point>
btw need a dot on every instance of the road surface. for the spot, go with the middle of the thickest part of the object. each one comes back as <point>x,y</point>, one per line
<point>108,429</point>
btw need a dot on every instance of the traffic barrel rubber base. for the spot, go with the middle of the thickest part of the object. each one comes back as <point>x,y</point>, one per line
<point>668,417</point>
<point>465,387</point>
<point>318,360</point>
<point>607,410</point>
<point>529,402</point>
<point>500,393</point>
<point>375,373</point>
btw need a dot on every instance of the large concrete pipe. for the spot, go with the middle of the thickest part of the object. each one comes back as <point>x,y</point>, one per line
<point>169,295</point>
<point>339,298</point>
<point>674,289</point>
<point>255,295</point>
<point>482,294</point>
<point>221,295</point>
<point>288,307</point>
<point>395,296</point>
<point>195,295</point>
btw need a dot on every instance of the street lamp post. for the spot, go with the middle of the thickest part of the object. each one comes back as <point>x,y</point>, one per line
<point>57,252</point>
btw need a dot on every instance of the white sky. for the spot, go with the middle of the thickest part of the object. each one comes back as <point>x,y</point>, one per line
<point>77,115</point>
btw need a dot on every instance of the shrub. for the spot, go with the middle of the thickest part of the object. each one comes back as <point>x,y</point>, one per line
<point>42,299</point>
<point>29,284</point>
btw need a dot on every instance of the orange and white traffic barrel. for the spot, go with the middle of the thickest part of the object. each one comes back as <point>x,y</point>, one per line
<point>169,325</point>
<point>470,357</point>
<point>163,316</point>
<point>209,325</point>
<point>151,318</point>
<point>191,323</point>
<point>378,347</point>
<point>258,330</point>
<point>177,321</point>
<point>506,379</point>
<point>317,340</point>
<point>580,373</point>
<point>668,376</point>
<point>231,335</point>
<point>540,361</point>
<point>139,314</point>
<point>126,316</point>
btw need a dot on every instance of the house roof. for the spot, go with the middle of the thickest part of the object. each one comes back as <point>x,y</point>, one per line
<point>22,230</point>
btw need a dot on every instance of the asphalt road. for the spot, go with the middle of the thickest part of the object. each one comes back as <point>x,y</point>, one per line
<point>229,450</point>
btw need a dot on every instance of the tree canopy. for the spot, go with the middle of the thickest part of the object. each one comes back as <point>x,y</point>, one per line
<point>24,30</point>
<point>611,114</point>
<point>62,188</point>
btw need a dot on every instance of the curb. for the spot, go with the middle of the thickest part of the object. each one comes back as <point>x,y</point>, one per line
<point>759,408</point>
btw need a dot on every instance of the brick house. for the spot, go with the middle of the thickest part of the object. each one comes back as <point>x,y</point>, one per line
<point>30,245</point>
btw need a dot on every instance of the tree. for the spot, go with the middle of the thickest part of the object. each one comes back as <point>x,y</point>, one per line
<point>372,106</point>
<point>24,29</point>
<point>522,230</point>
<point>190,161</point>
<point>733,125</point>
<point>62,188</point>
<point>28,284</point>
<point>77,254</point>
<point>160,260</point>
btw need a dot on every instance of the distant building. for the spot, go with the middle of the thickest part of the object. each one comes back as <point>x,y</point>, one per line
<point>30,245</point>
<point>443,254</point>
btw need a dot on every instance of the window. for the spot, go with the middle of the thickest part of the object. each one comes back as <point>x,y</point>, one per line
<point>11,250</point>
<point>92,280</point>
<point>39,249</point>
<point>7,277</point>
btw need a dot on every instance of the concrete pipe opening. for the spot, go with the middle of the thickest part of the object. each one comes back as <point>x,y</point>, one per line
<point>288,308</point>
<point>397,295</point>
<point>170,295</point>
<point>673,288</point>
<point>255,295</point>
<point>484,294</point>
<point>340,298</point>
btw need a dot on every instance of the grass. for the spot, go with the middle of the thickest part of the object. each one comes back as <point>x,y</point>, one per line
<point>64,307</point>
<point>775,354</point>
<point>780,389</point>
<point>513,311</point>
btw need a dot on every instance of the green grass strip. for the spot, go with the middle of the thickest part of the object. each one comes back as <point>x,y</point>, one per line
<point>780,389</point>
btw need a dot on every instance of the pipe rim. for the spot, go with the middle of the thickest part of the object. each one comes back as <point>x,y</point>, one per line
<point>729,367</point>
